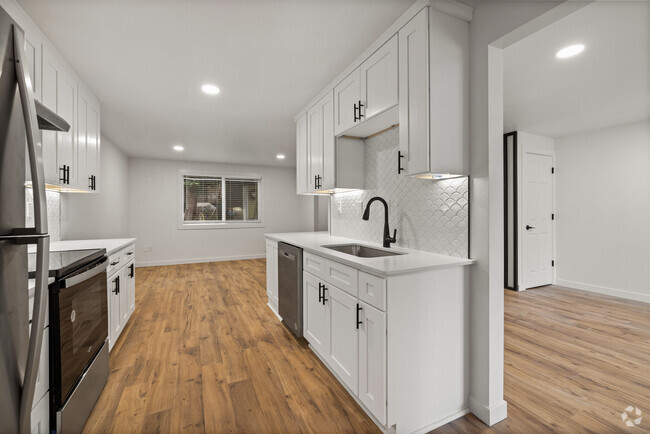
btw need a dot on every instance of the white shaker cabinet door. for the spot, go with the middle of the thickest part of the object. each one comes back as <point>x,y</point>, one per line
<point>315,315</point>
<point>372,360</point>
<point>347,95</point>
<point>302,155</point>
<point>67,141</point>
<point>49,84</point>
<point>379,84</point>
<point>414,93</point>
<point>344,337</point>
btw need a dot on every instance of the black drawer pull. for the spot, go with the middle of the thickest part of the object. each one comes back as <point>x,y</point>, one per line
<point>358,321</point>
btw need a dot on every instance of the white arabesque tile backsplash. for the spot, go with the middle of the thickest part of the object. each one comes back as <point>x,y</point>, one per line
<point>53,212</point>
<point>429,216</point>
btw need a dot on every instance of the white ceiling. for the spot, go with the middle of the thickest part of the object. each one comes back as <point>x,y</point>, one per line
<point>146,61</point>
<point>607,84</point>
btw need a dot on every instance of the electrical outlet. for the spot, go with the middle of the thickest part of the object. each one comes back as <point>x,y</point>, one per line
<point>339,207</point>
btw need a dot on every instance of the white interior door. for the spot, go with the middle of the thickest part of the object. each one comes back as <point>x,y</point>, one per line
<point>536,223</point>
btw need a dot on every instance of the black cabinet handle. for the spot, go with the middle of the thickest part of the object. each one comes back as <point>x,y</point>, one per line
<point>67,174</point>
<point>118,284</point>
<point>62,169</point>
<point>116,289</point>
<point>528,227</point>
<point>90,186</point>
<point>115,262</point>
<point>355,113</point>
<point>132,273</point>
<point>324,299</point>
<point>400,169</point>
<point>320,295</point>
<point>360,115</point>
<point>358,310</point>
<point>315,182</point>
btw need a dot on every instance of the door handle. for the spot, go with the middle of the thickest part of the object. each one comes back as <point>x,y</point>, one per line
<point>358,321</point>
<point>528,227</point>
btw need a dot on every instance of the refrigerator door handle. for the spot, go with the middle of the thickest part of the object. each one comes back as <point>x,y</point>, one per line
<point>35,151</point>
<point>34,145</point>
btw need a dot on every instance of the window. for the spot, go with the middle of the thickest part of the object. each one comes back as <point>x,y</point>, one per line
<point>220,201</point>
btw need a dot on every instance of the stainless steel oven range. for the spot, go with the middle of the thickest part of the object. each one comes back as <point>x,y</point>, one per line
<point>78,337</point>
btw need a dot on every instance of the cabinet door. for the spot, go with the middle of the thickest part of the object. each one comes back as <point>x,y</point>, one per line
<point>114,323</point>
<point>379,84</point>
<point>372,360</point>
<point>275,286</point>
<point>82,139</point>
<point>315,316</point>
<point>344,337</point>
<point>50,79</point>
<point>40,419</point>
<point>32,58</point>
<point>130,288</point>
<point>124,296</point>
<point>302,160</point>
<point>328,180</point>
<point>346,94</point>
<point>315,145</point>
<point>66,149</point>
<point>414,93</point>
<point>93,141</point>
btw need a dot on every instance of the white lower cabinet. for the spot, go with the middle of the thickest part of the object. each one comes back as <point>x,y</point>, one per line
<point>121,291</point>
<point>372,360</point>
<point>41,416</point>
<point>343,354</point>
<point>315,314</point>
<point>350,336</point>
<point>272,274</point>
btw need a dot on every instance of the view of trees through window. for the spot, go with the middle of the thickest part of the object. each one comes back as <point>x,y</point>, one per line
<point>213,199</point>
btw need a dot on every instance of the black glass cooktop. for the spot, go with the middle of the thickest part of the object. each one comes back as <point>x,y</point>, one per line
<point>64,263</point>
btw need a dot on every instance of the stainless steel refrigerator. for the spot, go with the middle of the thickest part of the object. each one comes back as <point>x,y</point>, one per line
<point>20,143</point>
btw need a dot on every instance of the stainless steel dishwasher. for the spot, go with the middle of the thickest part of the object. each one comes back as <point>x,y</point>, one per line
<point>290,286</point>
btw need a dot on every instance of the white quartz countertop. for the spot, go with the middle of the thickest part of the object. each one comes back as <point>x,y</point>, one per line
<point>411,261</point>
<point>111,245</point>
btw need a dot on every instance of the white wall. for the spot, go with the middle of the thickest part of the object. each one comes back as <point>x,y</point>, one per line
<point>153,213</point>
<point>603,211</point>
<point>492,20</point>
<point>103,214</point>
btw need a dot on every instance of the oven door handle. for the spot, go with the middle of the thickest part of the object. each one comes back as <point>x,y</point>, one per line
<point>89,273</point>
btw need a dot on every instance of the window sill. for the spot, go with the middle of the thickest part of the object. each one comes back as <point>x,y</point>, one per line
<point>229,225</point>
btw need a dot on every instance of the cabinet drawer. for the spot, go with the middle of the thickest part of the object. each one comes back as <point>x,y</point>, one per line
<point>314,264</point>
<point>128,254</point>
<point>372,290</point>
<point>342,276</point>
<point>115,262</point>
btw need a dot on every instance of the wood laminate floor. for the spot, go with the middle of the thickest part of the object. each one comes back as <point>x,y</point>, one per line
<point>203,353</point>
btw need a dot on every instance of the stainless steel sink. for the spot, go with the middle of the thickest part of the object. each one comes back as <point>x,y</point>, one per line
<point>361,251</point>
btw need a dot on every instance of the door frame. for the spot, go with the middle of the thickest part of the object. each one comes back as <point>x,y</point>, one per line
<point>532,149</point>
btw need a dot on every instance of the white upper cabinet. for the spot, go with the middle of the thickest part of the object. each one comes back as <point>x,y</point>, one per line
<point>88,140</point>
<point>347,97</point>
<point>414,95</point>
<point>379,84</point>
<point>369,91</point>
<point>324,174</point>
<point>433,83</point>
<point>302,155</point>
<point>69,158</point>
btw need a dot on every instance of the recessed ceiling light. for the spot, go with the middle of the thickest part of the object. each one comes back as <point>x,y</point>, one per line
<point>280,156</point>
<point>210,89</point>
<point>178,148</point>
<point>570,51</point>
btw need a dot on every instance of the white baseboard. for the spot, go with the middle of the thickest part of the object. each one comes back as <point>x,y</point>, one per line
<point>197,260</point>
<point>489,415</point>
<point>441,422</point>
<point>604,290</point>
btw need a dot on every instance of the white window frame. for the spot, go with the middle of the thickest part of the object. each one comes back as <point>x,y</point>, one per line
<point>233,224</point>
